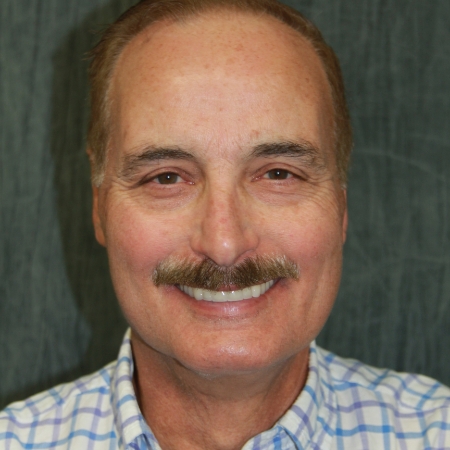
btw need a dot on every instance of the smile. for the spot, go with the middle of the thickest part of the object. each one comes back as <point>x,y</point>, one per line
<point>227,296</point>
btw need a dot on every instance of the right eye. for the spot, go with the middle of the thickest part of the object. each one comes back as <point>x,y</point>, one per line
<point>167,178</point>
<point>278,174</point>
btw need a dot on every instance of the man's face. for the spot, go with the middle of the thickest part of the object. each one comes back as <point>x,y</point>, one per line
<point>222,150</point>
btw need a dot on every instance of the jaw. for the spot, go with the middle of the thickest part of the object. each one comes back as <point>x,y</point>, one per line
<point>225,359</point>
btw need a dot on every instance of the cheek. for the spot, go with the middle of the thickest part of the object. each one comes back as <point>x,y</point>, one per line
<point>306,238</point>
<point>137,241</point>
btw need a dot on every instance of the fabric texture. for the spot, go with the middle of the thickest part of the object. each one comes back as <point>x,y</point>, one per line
<point>344,405</point>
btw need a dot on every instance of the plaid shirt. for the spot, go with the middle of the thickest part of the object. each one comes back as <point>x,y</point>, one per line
<point>344,405</point>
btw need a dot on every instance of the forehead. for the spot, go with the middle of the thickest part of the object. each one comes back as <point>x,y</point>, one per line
<point>232,63</point>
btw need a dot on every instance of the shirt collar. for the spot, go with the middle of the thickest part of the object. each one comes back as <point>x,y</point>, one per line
<point>313,414</point>
<point>309,419</point>
<point>129,421</point>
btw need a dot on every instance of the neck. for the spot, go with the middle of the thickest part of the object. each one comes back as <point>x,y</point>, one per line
<point>189,410</point>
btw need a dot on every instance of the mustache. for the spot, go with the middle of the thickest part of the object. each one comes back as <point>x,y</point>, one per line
<point>206,274</point>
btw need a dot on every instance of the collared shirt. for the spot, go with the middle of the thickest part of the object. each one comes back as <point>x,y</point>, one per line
<point>344,405</point>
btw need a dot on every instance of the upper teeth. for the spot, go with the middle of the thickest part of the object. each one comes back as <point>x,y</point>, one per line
<point>227,296</point>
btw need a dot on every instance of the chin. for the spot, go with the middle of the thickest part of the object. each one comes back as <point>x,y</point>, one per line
<point>233,360</point>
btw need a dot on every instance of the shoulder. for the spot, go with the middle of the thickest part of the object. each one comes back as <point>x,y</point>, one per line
<point>59,413</point>
<point>406,406</point>
<point>406,390</point>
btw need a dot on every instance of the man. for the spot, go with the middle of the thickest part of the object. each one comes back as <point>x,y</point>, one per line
<point>219,143</point>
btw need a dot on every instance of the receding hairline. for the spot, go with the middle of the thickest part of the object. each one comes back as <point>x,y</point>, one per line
<point>230,11</point>
<point>294,38</point>
<point>213,11</point>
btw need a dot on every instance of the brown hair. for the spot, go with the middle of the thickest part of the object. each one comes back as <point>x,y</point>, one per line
<point>106,53</point>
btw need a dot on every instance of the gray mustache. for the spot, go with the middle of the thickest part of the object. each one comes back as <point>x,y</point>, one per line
<point>208,275</point>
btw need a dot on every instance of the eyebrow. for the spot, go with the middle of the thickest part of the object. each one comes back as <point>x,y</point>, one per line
<point>302,150</point>
<point>149,154</point>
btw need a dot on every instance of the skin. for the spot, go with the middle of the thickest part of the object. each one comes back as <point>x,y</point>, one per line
<point>216,87</point>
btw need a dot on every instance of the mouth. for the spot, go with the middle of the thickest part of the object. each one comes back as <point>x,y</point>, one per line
<point>227,296</point>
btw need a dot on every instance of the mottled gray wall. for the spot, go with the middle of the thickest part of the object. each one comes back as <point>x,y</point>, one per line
<point>58,315</point>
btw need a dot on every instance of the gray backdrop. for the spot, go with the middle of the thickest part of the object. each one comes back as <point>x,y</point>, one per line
<point>58,314</point>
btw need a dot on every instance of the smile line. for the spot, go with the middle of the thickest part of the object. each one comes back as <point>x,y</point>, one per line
<point>227,296</point>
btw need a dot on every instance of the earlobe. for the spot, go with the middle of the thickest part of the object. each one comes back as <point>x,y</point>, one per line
<point>99,233</point>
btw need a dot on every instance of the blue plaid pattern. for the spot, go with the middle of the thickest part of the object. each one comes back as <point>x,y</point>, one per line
<point>344,405</point>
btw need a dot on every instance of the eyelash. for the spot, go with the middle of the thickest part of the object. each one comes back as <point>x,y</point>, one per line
<point>166,174</point>
<point>154,178</point>
<point>281,172</point>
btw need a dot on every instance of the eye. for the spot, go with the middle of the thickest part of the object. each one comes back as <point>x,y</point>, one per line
<point>278,174</point>
<point>167,178</point>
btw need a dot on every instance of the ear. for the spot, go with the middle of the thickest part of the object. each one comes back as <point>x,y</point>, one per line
<point>98,227</point>
<point>344,217</point>
<point>99,233</point>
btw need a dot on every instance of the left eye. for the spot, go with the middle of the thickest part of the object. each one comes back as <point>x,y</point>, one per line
<point>167,178</point>
<point>278,174</point>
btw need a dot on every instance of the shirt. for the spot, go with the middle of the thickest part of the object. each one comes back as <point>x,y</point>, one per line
<point>344,405</point>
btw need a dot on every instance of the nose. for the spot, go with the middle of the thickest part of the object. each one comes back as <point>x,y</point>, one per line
<point>224,232</point>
